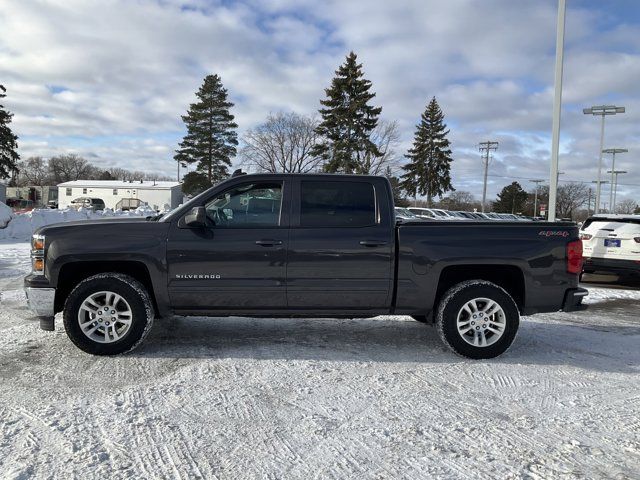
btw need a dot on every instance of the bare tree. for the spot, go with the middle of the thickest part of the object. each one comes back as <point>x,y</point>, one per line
<point>626,206</point>
<point>65,168</point>
<point>35,171</point>
<point>571,196</point>
<point>459,200</point>
<point>282,143</point>
<point>386,138</point>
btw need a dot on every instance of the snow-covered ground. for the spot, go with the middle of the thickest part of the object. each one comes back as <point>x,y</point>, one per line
<point>321,398</point>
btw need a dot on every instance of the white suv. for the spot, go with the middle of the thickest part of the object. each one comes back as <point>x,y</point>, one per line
<point>611,244</point>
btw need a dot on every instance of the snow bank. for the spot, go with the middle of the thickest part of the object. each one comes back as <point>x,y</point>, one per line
<point>21,226</point>
<point>5,215</point>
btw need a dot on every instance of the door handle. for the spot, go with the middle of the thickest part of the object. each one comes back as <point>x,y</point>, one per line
<point>372,243</point>
<point>268,243</point>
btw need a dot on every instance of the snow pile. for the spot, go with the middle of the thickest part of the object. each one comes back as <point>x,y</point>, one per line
<point>21,226</point>
<point>5,215</point>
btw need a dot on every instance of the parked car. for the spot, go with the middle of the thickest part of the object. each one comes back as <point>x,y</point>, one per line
<point>20,205</point>
<point>611,244</point>
<point>300,246</point>
<point>88,203</point>
<point>422,212</point>
<point>405,214</point>
<point>52,204</point>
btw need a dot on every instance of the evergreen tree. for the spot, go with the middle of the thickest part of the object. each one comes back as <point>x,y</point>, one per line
<point>347,121</point>
<point>8,142</point>
<point>429,169</point>
<point>211,138</point>
<point>194,183</point>
<point>511,199</point>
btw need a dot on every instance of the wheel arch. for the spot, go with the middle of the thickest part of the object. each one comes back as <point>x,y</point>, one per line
<point>71,274</point>
<point>508,277</point>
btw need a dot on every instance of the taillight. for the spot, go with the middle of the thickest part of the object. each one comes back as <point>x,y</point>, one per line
<point>574,257</point>
<point>586,236</point>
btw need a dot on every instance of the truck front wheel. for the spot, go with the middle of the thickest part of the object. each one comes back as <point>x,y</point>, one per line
<point>477,319</point>
<point>108,314</point>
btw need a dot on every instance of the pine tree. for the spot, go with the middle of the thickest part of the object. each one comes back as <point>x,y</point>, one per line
<point>429,169</point>
<point>8,142</point>
<point>511,199</point>
<point>347,121</point>
<point>211,138</point>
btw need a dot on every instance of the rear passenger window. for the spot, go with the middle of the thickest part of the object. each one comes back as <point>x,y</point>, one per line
<point>337,204</point>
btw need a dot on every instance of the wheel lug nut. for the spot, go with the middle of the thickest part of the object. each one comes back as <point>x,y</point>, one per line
<point>478,327</point>
<point>484,326</point>
<point>106,323</point>
<point>112,312</point>
<point>99,313</point>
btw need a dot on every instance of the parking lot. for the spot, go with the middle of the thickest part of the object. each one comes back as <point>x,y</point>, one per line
<point>322,398</point>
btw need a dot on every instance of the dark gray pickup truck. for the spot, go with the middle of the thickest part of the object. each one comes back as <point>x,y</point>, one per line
<point>301,246</point>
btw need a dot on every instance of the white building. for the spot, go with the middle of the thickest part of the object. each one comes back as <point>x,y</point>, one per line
<point>155,194</point>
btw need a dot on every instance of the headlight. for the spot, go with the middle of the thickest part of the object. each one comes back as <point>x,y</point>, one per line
<point>37,254</point>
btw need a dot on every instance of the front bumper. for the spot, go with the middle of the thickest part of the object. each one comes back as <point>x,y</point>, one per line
<point>41,301</point>
<point>573,300</point>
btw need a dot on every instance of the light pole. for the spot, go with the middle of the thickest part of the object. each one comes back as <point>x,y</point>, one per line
<point>603,111</point>
<point>598,183</point>
<point>535,198</point>
<point>614,187</point>
<point>613,151</point>
<point>557,105</point>
<point>486,147</point>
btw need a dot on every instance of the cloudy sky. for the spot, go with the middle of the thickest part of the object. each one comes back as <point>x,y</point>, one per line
<point>109,79</point>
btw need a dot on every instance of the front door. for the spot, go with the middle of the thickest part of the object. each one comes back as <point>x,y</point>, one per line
<point>238,261</point>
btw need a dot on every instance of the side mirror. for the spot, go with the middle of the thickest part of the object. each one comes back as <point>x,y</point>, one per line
<point>196,217</point>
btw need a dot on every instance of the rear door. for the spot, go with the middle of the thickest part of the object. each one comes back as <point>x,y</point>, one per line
<point>340,245</point>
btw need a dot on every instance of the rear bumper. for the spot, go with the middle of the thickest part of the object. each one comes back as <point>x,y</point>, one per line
<point>573,299</point>
<point>608,265</point>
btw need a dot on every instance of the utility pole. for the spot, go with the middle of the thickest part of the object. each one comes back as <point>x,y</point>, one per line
<point>614,187</point>
<point>603,111</point>
<point>535,198</point>
<point>613,151</point>
<point>486,147</point>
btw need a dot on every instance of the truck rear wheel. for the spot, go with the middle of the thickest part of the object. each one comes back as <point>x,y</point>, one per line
<point>477,319</point>
<point>108,314</point>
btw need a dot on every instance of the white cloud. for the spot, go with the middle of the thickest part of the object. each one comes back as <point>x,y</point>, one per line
<point>110,79</point>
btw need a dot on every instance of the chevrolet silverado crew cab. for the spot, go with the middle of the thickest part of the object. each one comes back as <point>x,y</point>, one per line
<point>301,246</point>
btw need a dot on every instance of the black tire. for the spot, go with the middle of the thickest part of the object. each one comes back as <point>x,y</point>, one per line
<point>420,318</point>
<point>132,291</point>
<point>452,303</point>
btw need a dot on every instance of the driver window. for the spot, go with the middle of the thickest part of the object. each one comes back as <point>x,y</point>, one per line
<point>248,205</point>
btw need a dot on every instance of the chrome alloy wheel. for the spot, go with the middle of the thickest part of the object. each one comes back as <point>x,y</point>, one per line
<point>105,317</point>
<point>481,322</point>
